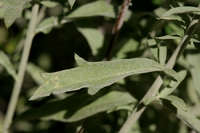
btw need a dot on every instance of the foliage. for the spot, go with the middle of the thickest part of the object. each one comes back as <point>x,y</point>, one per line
<point>69,84</point>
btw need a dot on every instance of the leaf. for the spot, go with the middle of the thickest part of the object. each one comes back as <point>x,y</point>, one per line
<point>184,114</point>
<point>12,10</point>
<point>194,62</point>
<point>80,61</point>
<point>94,37</point>
<point>96,75</point>
<point>35,72</point>
<point>47,25</point>
<point>71,2</point>
<point>5,62</point>
<point>180,10</point>
<point>130,46</point>
<point>160,11</point>
<point>153,47</point>
<point>168,37</point>
<point>80,106</point>
<point>49,4</point>
<point>162,54</point>
<point>97,8</point>
<point>173,85</point>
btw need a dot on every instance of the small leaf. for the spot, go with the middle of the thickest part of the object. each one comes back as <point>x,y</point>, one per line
<point>97,8</point>
<point>181,10</point>
<point>153,47</point>
<point>49,4</point>
<point>96,75</point>
<point>71,2</point>
<point>173,85</point>
<point>12,10</point>
<point>130,46</point>
<point>5,62</point>
<point>80,106</point>
<point>35,72</point>
<point>168,37</point>
<point>184,114</point>
<point>162,54</point>
<point>47,25</point>
<point>94,37</point>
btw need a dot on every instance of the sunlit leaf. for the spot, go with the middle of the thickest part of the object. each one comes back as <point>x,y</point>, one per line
<point>153,47</point>
<point>97,8</point>
<point>80,106</point>
<point>96,75</point>
<point>162,54</point>
<point>49,4</point>
<point>194,62</point>
<point>168,37</point>
<point>130,46</point>
<point>47,25</point>
<point>12,10</point>
<point>5,62</point>
<point>180,10</point>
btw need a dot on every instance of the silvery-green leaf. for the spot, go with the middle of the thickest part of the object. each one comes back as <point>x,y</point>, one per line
<point>168,37</point>
<point>172,18</point>
<point>183,113</point>
<point>94,37</point>
<point>194,62</point>
<point>130,46</point>
<point>5,62</point>
<point>47,25</point>
<point>153,47</point>
<point>81,106</point>
<point>96,75</point>
<point>49,4</point>
<point>162,54</point>
<point>71,2</point>
<point>173,85</point>
<point>97,8</point>
<point>12,10</point>
<point>80,61</point>
<point>181,10</point>
<point>35,72</point>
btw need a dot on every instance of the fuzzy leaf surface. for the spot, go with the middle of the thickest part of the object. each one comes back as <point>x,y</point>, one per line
<point>96,75</point>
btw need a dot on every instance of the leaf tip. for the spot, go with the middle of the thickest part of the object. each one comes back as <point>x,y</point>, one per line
<point>80,61</point>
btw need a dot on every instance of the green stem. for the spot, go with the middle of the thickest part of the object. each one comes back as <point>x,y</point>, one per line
<point>22,68</point>
<point>132,119</point>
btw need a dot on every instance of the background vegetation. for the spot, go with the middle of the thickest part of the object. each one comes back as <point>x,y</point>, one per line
<point>142,41</point>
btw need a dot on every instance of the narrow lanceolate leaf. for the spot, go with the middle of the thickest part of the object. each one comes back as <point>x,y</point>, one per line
<point>94,37</point>
<point>183,113</point>
<point>5,62</point>
<point>71,2</point>
<point>49,4</point>
<point>173,85</point>
<point>194,62</point>
<point>81,106</point>
<point>96,75</point>
<point>162,54</point>
<point>97,8</point>
<point>168,37</point>
<point>12,10</point>
<point>181,10</point>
